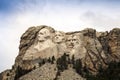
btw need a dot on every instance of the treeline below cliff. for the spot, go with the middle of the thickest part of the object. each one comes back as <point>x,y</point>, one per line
<point>47,54</point>
<point>112,72</point>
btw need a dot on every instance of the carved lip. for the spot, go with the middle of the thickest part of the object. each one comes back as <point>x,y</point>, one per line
<point>71,46</point>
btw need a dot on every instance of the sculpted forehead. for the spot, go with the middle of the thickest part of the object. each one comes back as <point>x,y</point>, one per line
<point>58,33</point>
<point>44,31</point>
<point>73,37</point>
<point>43,35</point>
<point>59,37</point>
<point>69,37</point>
<point>76,37</point>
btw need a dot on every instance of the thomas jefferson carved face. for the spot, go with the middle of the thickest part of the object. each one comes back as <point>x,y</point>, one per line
<point>59,37</point>
<point>72,41</point>
<point>43,35</point>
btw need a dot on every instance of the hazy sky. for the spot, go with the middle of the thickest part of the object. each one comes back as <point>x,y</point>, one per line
<point>67,15</point>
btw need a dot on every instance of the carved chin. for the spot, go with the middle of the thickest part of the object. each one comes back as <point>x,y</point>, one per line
<point>57,41</point>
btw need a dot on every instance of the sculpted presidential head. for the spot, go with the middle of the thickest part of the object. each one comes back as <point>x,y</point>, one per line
<point>73,41</point>
<point>59,37</point>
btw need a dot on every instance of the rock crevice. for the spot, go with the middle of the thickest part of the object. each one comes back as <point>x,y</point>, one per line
<point>47,54</point>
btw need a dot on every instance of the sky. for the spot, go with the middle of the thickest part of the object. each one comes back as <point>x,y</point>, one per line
<point>16,16</point>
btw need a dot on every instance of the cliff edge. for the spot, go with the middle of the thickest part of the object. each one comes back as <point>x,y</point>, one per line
<point>47,54</point>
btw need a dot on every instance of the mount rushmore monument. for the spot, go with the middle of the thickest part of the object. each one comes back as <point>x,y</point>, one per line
<point>48,54</point>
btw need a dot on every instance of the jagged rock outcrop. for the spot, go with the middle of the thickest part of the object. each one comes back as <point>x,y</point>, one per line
<point>46,72</point>
<point>47,54</point>
<point>69,74</point>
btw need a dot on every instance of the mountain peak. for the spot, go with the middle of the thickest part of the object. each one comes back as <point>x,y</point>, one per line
<point>47,54</point>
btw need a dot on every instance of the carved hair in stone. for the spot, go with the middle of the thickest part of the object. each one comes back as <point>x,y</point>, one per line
<point>44,36</point>
<point>59,37</point>
<point>74,44</point>
<point>72,41</point>
<point>43,47</point>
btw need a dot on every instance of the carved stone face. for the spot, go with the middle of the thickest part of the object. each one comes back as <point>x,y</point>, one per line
<point>43,35</point>
<point>59,37</point>
<point>72,41</point>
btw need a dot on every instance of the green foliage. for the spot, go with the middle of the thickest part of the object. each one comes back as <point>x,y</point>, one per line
<point>53,59</point>
<point>78,66</point>
<point>20,72</point>
<point>73,59</point>
<point>62,62</point>
<point>111,73</point>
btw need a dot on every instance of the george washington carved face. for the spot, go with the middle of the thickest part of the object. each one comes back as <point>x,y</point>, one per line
<point>43,35</point>
<point>59,37</point>
<point>72,41</point>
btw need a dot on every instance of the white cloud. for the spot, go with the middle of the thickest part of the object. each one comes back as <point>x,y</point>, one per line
<point>70,18</point>
<point>101,22</point>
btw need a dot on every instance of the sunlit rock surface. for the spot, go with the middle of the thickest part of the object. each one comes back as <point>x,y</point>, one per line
<point>48,54</point>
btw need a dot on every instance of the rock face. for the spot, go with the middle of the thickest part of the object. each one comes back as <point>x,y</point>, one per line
<point>70,74</point>
<point>47,54</point>
<point>45,72</point>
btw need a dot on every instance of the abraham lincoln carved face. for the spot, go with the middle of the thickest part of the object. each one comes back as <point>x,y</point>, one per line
<point>72,41</point>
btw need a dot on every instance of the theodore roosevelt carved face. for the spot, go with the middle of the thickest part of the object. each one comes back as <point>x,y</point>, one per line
<point>59,37</point>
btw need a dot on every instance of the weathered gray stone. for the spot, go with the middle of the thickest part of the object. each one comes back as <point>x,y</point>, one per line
<point>70,74</point>
<point>42,46</point>
<point>45,72</point>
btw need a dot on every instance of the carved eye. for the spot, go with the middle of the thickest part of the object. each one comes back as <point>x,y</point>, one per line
<point>73,39</point>
<point>69,40</point>
<point>41,33</point>
<point>45,32</point>
<point>55,35</point>
<point>58,35</point>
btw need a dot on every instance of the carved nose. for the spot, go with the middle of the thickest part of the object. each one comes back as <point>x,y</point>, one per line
<point>56,37</point>
<point>71,44</point>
